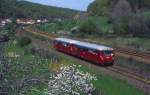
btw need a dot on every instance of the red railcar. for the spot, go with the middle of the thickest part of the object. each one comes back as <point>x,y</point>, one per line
<point>92,52</point>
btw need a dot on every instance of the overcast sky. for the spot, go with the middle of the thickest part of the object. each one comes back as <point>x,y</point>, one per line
<point>72,4</point>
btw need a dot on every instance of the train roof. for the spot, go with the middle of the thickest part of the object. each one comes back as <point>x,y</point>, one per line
<point>84,44</point>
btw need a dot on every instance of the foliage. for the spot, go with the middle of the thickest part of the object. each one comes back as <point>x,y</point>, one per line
<point>102,22</point>
<point>11,28</point>
<point>121,26</point>
<point>139,26</point>
<point>98,7</point>
<point>120,15</point>
<point>27,73</point>
<point>70,81</point>
<point>139,4</point>
<point>122,9</point>
<point>102,7</point>
<point>88,27</point>
<point>7,8</point>
<point>23,41</point>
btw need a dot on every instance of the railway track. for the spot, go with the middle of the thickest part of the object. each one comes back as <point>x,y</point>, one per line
<point>133,52</point>
<point>131,74</point>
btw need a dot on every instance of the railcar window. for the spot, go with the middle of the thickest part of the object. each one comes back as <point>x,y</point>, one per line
<point>92,51</point>
<point>82,48</point>
<point>55,42</point>
<point>108,52</point>
<point>58,42</point>
<point>64,44</point>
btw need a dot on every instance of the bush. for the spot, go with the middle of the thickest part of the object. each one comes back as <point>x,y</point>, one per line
<point>88,27</point>
<point>98,7</point>
<point>70,81</point>
<point>24,41</point>
<point>121,26</point>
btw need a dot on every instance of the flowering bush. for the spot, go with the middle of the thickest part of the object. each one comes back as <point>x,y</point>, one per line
<point>70,81</point>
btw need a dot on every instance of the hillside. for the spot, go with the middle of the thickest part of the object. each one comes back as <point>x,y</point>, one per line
<point>22,9</point>
<point>28,9</point>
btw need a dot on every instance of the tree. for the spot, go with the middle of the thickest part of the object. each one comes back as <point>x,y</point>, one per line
<point>120,15</point>
<point>139,26</point>
<point>120,10</point>
<point>139,4</point>
<point>7,8</point>
<point>99,7</point>
<point>88,27</point>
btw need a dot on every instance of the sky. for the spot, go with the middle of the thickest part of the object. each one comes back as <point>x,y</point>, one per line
<point>72,4</point>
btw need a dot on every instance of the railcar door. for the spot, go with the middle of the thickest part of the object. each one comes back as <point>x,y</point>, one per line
<point>73,50</point>
<point>61,46</point>
<point>57,45</point>
<point>92,55</point>
<point>101,57</point>
<point>81,52</point>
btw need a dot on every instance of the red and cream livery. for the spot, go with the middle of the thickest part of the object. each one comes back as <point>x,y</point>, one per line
<point>92,52</point>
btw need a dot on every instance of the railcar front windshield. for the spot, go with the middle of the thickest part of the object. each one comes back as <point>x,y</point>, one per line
<point>108,52</point>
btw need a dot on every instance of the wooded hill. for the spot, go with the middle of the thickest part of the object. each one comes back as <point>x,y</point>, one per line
<point>21,9</point>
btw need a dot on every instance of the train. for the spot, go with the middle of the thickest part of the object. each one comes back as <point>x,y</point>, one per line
<point>99,54</point>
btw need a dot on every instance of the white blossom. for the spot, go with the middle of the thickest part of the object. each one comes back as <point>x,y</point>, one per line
<point>70,81</point>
